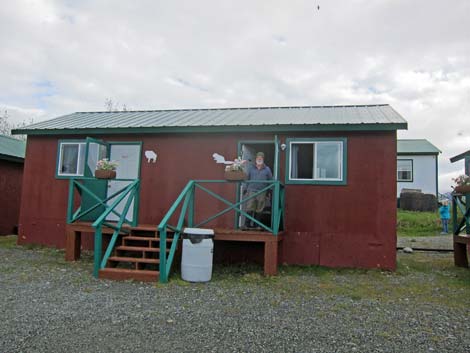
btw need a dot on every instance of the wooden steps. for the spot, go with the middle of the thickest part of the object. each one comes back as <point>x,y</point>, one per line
<point>121,274</point>
<point>133,260</point>
<point>137,257</point>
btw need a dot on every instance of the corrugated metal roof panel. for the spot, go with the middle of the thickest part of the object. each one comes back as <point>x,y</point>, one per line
<point>12,147</point>
<point>416,147</point>
<point>227,117</point>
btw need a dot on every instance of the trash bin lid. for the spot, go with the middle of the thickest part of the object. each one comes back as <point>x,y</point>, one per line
<point>198,231</point>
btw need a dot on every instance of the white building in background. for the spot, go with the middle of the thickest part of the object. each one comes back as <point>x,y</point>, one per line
<point>417,166</point>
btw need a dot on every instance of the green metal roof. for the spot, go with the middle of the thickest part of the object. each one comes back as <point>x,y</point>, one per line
<point>420,146</point>
<point>11,148</point>
<point>357,117</point>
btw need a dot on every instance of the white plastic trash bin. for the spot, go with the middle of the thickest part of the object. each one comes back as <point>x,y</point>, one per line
<point>198,249</point>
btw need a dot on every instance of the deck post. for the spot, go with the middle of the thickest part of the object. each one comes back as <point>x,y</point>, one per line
<point>98,251</point>
<point>270,258</point>
<point>73,240</point>
<point>460,254</point>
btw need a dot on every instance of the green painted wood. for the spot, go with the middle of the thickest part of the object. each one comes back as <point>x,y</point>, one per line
<point>82,189</point>
<point>162,233</point>
<point>118,227</point>
<point>71,201</point>
<point>97,252</point>
<point>175,205</point>
<point>454,214</point>
<point>99,188</point>
<point>176,236</point>
<point>233,206</point>
<point>188,207</point>
<point>191,207</point>
<point>111,208</point>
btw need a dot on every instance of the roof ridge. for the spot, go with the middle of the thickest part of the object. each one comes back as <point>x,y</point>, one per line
<point>236,108</point>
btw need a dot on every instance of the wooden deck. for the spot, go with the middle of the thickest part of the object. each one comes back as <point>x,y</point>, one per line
<point>271,242</point>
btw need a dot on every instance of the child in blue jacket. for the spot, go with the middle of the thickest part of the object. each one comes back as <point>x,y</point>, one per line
<point>444,212</point>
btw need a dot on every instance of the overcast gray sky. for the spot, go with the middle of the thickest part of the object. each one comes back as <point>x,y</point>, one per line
<point>59,57</point>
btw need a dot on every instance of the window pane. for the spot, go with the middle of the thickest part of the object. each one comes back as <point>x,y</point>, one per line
<point>301,161</point>
<point>92,156</point>
<point>68,164</point>
<point>328,160</point>
<point>404,170</point>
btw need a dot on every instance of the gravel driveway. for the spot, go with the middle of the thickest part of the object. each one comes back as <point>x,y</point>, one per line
<point>48,305</point>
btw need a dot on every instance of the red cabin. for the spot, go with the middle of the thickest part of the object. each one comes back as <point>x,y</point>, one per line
<point>11,175</point>
<point>332,200</point>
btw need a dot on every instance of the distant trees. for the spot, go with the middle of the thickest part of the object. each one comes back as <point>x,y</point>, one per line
<point>6,125</point>
<point>112,106</point>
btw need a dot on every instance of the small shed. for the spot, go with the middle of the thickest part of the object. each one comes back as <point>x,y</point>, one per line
<point>332,199</point>
<point>12,153</point>
<point>417,166</point>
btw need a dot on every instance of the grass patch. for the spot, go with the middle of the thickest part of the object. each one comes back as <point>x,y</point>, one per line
<point>418,224</point>
<point>8,241</point>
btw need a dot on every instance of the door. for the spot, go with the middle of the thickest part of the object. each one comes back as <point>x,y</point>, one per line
<point>127,154</point>
<point>94,151</point>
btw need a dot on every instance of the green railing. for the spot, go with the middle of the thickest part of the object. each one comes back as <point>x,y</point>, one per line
<point>186,218</point>
<point>109,205</point>
<point>460,208</point>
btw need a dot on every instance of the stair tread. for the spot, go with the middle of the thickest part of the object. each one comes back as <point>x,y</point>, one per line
<point>121,274</point>
<point>138,248</point>
<point>134,237</point>
<point>127,270</point>
<point>133,259</point>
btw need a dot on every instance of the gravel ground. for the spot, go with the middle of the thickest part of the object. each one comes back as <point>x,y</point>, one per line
<point>48,305</point>
<point>443,242</point>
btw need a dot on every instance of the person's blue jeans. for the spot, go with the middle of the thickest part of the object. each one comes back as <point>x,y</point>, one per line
<point>445,225</point>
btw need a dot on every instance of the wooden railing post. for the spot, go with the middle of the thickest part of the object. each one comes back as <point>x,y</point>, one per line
<point>162,266</point>
<point>275,209</point>
<point>454,215</point>
<point>98,251</point>
<point>191,206</point>
<point>71,200</point>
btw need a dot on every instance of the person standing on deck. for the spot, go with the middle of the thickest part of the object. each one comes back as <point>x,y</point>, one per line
<point>256,205</point>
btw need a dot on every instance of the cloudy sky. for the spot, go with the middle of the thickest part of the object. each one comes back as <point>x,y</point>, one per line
<point>59,57</point>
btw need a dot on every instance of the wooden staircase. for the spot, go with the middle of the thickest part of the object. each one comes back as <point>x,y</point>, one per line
<point>138,256</point>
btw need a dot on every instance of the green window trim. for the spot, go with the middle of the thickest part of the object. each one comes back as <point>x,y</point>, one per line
<point>411,171</point>
<point>320,181</point>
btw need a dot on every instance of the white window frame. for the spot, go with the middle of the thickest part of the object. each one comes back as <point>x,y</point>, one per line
<point>81,153</point>
<point>316,177</point>
<point>411,171</point>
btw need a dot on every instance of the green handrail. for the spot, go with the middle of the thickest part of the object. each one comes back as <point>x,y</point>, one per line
<point>459,205</point>
<point>186,200</point>
<point>130,191</point>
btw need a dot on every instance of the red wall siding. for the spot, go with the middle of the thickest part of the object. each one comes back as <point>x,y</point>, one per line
<point>350,226</point>
<point>11,175</point>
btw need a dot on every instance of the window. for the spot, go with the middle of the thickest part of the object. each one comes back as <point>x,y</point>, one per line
<point>316,161</point>
<point>71,160</point>
<point>405,170</point>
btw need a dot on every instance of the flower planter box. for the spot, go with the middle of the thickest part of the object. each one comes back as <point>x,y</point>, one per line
<point>462,189</point>
<point>235,175</point>
<point>105,174</point>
